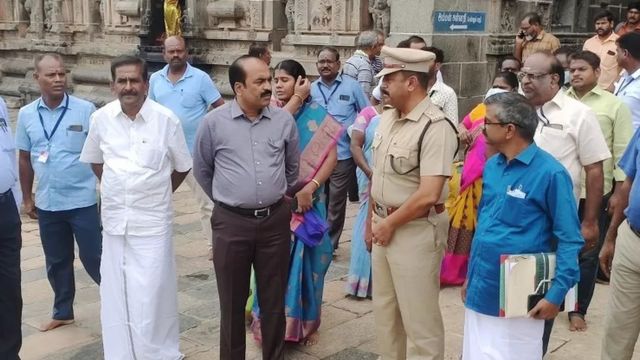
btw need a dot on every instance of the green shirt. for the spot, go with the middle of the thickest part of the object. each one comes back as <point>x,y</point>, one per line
<point>615,122</point>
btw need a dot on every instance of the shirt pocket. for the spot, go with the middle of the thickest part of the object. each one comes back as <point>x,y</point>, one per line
<point>75,139</point>
<point>275,144</point>
<point>402,160</point>
<point>190,99</point>
<point>149,156</point>
<point>514,210</point>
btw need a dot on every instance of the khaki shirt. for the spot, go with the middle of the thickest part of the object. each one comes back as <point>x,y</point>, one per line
<point>397,138</point>
<point>606,51</point>
<point>543,42</point>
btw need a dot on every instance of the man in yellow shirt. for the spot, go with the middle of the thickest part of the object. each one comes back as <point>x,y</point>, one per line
<point>614,118</point>
<point>603,44</point>
<point>532,38</point>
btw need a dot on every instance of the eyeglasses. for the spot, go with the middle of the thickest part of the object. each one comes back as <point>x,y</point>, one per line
<point>327,62</point>
<point>546,122</point>
<point>500,124</point>
<point>530,76</point>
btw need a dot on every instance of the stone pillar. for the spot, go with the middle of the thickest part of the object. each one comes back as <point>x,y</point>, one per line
<point>36,17</point>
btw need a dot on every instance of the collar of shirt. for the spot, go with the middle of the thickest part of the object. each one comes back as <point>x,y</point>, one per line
<point>635,75</point>
<point>143,114</point>
<point>525,156</point>
<point>612,38</point>
<point>187,73</point>
<point>42,105</point>
<point>540,36</point>
<point>558,100</point>
<point>597,91</point>
<point>416,113</point>
<point>335,82</point>
<point>362,54</point>
<point>236,111</point>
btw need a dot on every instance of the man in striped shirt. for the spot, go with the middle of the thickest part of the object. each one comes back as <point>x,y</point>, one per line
<point>359,66</point>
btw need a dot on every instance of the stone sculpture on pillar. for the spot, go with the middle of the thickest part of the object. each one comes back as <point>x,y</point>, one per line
<point>381,12</point>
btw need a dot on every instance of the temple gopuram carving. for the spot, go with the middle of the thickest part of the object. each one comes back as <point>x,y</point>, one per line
<point>89,33</point>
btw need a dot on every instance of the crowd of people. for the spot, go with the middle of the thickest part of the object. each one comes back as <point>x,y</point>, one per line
<point>546,163</point>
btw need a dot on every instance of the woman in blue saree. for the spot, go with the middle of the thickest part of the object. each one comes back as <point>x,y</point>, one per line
<point>309,262</point>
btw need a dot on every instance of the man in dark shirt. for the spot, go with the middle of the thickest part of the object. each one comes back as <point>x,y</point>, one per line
<point>245,157</point>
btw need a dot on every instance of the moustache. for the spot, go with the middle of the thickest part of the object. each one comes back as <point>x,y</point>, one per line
<point>266,93</point>
<point>384,92</point>
<point>127,93</point>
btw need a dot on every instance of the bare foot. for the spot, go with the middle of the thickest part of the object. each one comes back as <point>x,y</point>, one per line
<point>577,323</point>
<point>210,257</point>
<point>54,324</point>
<point>310,340</point>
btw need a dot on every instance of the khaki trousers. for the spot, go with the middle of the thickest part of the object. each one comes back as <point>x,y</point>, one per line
<point>622,319</point>
<point>406,274</point>
<point>204,203</point>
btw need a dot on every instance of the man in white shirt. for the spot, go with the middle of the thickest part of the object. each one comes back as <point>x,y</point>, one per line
<point>628,87</point>
<point>441,94</point>
<point>568,130</point>
<point>137,149</point>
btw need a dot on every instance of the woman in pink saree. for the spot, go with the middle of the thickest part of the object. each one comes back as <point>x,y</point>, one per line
<point>463,209</point>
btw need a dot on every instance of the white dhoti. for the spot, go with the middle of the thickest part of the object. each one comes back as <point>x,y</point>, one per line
<point>138,291</point>
<point>495,338</point>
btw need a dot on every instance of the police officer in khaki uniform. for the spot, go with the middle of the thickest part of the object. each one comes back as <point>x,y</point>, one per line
<point>413,150</point>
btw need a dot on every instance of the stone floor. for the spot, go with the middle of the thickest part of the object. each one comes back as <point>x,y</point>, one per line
<point>346,331</point>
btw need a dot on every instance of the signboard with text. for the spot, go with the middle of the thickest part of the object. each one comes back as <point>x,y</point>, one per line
<point>458,21</point>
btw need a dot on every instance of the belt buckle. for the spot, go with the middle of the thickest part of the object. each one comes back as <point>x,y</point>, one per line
<point>262,213</point>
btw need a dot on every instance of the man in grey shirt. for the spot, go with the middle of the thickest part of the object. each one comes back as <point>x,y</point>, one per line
<point>245,158</point>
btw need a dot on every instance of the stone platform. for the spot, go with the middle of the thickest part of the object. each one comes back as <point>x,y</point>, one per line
<point>346,332</point>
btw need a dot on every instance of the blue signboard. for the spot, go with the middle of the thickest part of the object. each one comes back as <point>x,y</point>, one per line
<point>458,21</point>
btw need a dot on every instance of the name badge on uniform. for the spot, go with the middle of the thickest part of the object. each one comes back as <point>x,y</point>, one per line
<point>43,157</point>
<point>345,97</point>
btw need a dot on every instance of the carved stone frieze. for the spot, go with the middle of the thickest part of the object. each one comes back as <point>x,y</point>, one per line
<point>227,14</point>
<point>380,11</point>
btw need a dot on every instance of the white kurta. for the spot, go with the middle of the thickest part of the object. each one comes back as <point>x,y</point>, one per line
<point>138,290</point>
<point>495,338</point>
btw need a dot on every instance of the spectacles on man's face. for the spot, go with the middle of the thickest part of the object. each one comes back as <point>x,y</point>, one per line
<point>530,76</point>
<point>500,124</point>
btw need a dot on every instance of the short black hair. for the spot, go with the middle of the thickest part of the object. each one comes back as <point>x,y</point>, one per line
<point>604,14</point>
<point>423,77</point>
<point>630,42</point>
<point>413,39</point>
<point>123,60</point>
<point>332,50</point>
<point>589,57</point>
<point>237,73</point>
<point>38,59</point>
<point>633,5</point>
<point>556,68</point>
<point>509,77</point>
<point>258,49</point>
<point>534,18</point>
<point>438,52</point>
<point>292,68</point>
<point>508,57</point>
<point>564,50</point>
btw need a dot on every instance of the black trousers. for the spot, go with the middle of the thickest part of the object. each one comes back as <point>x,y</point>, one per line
<point>239,243</point>
<point>10,293</point>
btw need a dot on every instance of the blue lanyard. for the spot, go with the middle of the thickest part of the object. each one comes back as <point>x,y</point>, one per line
<point>326,100</point>
<point>624,85</point>
<point>55,127</point>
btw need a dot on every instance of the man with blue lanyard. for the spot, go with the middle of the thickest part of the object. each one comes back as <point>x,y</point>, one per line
<point>628,87</point>
<point>10,244</point>
<point>50,135</point>
<point>343,98</point>
<point>188,92</point>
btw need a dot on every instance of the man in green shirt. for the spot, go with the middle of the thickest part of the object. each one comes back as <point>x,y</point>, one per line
<point>614,118</point>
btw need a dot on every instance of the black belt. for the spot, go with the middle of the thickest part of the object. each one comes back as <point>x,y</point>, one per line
<point>253,213</point>
<point>635,231</point>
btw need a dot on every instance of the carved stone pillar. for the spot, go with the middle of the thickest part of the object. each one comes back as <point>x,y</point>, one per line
<point>35,9</point>
<point>57,20</point>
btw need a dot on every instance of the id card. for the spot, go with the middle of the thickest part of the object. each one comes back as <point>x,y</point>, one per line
<point>43,157</point>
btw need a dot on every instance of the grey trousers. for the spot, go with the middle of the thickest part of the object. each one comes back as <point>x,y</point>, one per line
<point>339,184</point>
